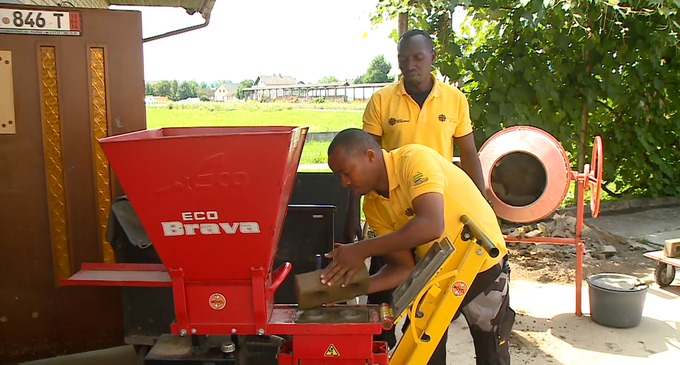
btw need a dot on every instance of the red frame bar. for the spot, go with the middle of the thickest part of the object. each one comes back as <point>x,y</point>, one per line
<point>581,181</point>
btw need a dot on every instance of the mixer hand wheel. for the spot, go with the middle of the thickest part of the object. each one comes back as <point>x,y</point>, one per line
<point>594,177</point>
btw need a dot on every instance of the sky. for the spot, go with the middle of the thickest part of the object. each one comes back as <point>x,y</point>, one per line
<point>306,39</point>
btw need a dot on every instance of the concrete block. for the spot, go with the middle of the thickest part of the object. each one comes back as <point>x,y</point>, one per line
<point>672,248</point>
<point>607,250</point>
<point>310,292</point>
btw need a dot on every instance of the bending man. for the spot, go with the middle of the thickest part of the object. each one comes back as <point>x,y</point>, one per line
<point>415,196</point>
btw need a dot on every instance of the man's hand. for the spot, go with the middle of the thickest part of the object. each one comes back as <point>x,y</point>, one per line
<point>469,161</point>
<point>347,259</point>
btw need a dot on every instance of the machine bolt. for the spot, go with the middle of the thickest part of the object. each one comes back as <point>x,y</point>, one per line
<point>479,251</point>
<point>35,314</point>
<point>260,332</point>
<point>228,347</point>
<point>233,330</point>
<point>193,330</point>
<point>183,333</point>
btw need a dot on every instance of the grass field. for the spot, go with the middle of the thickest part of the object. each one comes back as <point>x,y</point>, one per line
<point>319,117</point>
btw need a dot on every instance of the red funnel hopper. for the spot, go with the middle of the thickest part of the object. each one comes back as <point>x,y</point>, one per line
<point>213,201</point>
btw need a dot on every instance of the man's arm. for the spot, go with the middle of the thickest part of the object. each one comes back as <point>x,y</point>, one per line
<point>352,219</point>
<point>398,267</point>
<point>426,226</point>
<point>469,160</point>
<point>465,140</point>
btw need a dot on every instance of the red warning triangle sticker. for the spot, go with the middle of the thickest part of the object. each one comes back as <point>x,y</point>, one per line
<point>332,352</point>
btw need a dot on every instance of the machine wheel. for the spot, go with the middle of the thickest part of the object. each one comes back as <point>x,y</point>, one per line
<point>142,351</point>
<point>595,177</point>
<point>664,274</point>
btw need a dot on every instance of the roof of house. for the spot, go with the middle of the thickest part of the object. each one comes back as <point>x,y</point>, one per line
<point>231,88</point>
<point>276,80</point>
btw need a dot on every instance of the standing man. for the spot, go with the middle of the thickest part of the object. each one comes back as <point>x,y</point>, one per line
<point>418,109</point>
<point>414,197</point>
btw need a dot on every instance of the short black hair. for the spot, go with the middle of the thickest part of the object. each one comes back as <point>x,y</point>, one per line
<point>354,140</point>
<point>414,32</point>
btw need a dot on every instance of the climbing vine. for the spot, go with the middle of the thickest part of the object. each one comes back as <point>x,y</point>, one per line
<point>573,68</point>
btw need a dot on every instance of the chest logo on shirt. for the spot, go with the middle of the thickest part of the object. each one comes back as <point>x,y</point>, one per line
<point>442,118</point>
<point>418,178</point>
<point>394,121</point>
<point>409,212</point>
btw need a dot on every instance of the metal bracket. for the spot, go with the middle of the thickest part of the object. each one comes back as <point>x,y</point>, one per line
<point>7,117</point>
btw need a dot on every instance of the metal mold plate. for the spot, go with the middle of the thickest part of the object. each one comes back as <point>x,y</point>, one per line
<point>435,257</point>
<point>340,314</point>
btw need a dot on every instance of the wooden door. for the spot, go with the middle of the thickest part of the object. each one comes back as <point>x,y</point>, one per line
<point>55,183</point>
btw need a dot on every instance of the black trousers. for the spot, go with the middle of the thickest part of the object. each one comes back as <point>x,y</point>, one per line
<point>486,308</point>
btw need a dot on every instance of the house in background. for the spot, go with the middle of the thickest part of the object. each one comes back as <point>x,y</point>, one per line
<point>265,86</point>
<point>225,92</point>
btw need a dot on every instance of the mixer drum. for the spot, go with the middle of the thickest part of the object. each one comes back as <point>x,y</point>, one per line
<point>526,173</point>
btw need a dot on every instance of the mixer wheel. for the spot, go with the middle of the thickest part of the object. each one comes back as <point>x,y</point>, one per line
<point>664,274</point>
<point>595,177</point>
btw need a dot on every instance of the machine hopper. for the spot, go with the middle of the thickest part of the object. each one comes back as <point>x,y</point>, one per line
<point>213,202</point>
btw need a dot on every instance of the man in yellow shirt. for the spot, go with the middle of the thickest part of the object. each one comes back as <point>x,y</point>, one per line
<point>415,196</point>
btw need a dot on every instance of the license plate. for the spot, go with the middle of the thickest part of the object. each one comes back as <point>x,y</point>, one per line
<point>26,21</point>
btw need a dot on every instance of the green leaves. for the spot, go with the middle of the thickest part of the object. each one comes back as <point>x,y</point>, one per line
<point>528,66</point>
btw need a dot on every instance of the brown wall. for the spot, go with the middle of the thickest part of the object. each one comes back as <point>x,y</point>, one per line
<point>55,184</point>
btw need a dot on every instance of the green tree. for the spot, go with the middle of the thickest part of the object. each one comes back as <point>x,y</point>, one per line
<point>149,89</point>
<point>217,83</point>
<point>164,88</point>
<point>174,89</point>
<point>240,94</point>
<point>187,89</point>
<point>377,72</point>
<point>574,69</point>
<point>328,80</point>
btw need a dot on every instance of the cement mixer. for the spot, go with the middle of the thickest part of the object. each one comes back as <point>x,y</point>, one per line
<point>527,174</point>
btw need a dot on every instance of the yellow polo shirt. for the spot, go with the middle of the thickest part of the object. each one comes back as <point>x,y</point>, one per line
<point>393,115</point>
<point>414,170</point>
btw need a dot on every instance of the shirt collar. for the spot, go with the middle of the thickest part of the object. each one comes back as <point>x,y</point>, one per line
<point>436,92</point>
<point>391,175</point>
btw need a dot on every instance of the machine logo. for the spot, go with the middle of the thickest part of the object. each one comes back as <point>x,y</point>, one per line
<point>459,288</point>
<point>210,173</point>
<point>332,352</point>
<point>217,301</point>
<point>209,225</point>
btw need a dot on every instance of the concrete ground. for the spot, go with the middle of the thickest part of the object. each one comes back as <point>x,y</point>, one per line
<point>546,330</point>
<point>651,226</point>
